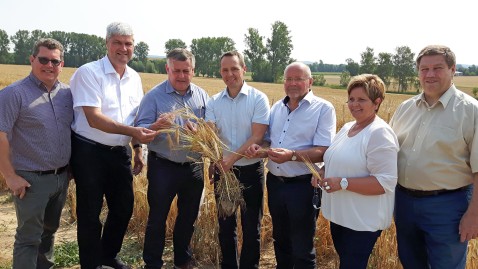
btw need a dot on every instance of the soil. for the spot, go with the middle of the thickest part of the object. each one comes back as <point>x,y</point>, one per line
<point>67,233</point>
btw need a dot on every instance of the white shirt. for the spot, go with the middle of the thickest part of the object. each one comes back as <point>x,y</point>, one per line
<point>234,117</point>
<point>96,84</point>
<point>311,124</point>
<point>371,152</point>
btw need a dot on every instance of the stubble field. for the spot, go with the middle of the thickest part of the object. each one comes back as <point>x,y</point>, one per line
<point>204,243</point>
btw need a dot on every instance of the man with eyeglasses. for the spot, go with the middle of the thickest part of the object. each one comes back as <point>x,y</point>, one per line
<point>35,117</point>
<point>301,128</point>
<point>106,96</point>
<point>172,172</point>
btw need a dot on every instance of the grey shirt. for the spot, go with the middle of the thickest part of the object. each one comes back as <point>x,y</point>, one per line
<point>161,99</point>
<point>37,123</point>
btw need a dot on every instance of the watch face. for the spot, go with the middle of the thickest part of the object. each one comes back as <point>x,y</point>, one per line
<point>344,183</point>
<point>294,158</point>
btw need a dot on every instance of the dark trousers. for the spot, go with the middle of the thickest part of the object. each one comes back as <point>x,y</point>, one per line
<point>167,179</point>
<point>427,229</point>
<point>101,172</point>
<point>354,247</point>
<point>38,217</point>
<point>293,221</point>
<point>252,178</point>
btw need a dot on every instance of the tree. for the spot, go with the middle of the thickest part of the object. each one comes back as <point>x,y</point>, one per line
<point>352,67</point>
<point>255,51</point>
<point>279,48</point>
<point>404,67</point>
<point>4,47</point>
<point>319,80</point>
<point>385,67</point>
<point>63,38</point>
<point>208,51</point>
<point>141,51</point>
<point>344,78</point>
<point>368,63</point>
<point>172,44</point>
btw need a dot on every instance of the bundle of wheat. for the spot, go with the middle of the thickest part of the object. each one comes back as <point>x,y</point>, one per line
<point>204,140</point>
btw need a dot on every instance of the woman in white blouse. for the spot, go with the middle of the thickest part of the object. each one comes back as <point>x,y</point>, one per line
<point>360,174</point>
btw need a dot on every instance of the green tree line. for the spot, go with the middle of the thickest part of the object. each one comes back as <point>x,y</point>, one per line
<point>266,57</point>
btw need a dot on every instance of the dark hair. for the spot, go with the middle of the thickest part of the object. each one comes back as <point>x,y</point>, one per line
<point>437,50</point>
<point>180,54</point>
<point>372,84</point>
<point>50,44</point>
<point>233,53</point>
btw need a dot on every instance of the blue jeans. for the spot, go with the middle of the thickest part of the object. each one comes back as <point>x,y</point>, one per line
<point>427,229</point>
<point>252,177</point>
<point>38,217</point>
<point>354,247</point>
<point>293,221</point>
<point>167,179</point>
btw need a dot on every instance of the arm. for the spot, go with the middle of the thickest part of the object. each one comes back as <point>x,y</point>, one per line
<point>14,182</point>
<point>97,120</point>
<point>258,131</point>
<point>468,228</point>
<point>138,157</point>
<point>313,154</point>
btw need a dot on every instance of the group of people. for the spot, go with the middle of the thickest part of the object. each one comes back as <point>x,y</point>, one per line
<point>420,169</point>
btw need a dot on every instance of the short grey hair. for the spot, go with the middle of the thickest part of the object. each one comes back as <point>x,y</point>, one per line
<point>302,66</point>
<point>118,28</point>
<point>180,54</point>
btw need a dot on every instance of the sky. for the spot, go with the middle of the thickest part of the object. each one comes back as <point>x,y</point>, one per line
<point>331,31</point>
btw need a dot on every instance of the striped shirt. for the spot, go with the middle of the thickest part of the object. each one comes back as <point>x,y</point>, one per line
<point>162,99</point>
<point>37,124</point>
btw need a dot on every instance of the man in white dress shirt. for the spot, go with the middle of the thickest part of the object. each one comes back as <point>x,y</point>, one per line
<point>106,96</point>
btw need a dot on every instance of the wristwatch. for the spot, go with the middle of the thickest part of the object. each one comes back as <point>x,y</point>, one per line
<point>344,183</point>
<point>294,158</point>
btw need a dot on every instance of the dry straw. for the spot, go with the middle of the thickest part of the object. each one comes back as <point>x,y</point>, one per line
<point>205,141</point>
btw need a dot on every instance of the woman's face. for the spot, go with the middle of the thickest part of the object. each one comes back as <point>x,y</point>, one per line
<point>360,105</point>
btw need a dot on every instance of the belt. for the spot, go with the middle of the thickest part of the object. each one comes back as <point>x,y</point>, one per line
<point>49,172</point>
<point>420,193</point>
<point>305,177</point>
<point>157,156</point>
<point>92,142</point>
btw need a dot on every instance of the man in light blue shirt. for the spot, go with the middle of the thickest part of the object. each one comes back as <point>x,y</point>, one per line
<point>301,128</point>
<point>241,116</point>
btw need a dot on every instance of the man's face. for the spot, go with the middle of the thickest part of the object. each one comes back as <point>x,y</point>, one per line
<point>296,83</point>
<point>180,74</point>
<point>48,72</point>
<point>435,76</point>
<point>120,49</point>
<point>232,72</point>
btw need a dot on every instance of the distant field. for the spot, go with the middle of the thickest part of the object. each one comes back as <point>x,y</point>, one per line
<point>385,253</point>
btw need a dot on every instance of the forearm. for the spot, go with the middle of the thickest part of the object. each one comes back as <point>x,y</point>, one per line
<point>314,154</point>
<point>365,185</point>
<point>473,205</point>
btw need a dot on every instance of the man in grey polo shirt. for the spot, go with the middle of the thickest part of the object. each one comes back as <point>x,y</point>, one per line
<point>35,117</point>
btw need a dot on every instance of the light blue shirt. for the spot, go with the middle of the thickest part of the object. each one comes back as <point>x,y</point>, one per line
<point>234,117</point>
<point>161,99</point>
<point>311,124</point>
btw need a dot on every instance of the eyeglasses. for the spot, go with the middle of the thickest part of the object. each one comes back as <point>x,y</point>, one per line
<point>44,61</point>
<point>297,80</point>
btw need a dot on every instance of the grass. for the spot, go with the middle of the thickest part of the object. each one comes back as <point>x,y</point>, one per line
<point>204,243</point>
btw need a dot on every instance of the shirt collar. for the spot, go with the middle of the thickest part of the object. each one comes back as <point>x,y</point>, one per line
<point>444,99</point>
<point>40,84</point>
<point>244,90</point>
<point>109,69</point>
<point>170,89</point>
<point>307,98</point>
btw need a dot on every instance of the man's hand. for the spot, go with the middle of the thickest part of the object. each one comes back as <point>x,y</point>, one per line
<point>191,126</point>
<point>279,155</point>
<point>143,135</point>
<point>138,161</point>
<point>18,185</point>
<point>468,228</point>
<point>164,121</point>
<point>255,151</point>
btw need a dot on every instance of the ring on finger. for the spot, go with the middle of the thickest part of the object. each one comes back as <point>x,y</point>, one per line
<point>325,183</point>
<point>327,187</point>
